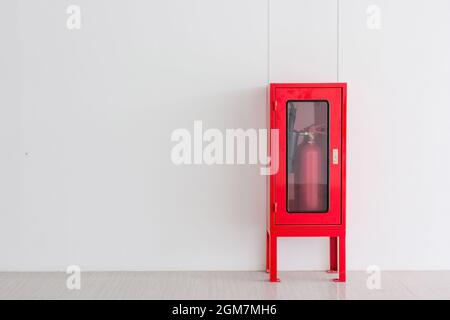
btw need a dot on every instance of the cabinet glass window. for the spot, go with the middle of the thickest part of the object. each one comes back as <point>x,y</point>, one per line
<point>307,156</point>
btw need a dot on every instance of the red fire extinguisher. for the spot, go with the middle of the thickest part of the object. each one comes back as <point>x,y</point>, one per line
<point>308,162</point>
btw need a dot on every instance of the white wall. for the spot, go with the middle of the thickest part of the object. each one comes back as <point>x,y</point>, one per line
<point>86,118</point>
<point>399,129</point>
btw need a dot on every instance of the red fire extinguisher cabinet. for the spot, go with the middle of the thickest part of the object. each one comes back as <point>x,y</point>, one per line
<point>307,187</point>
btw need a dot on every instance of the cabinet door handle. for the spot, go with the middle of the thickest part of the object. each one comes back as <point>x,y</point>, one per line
<point>335,156</point>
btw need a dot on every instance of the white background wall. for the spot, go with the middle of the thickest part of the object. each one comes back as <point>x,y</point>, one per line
<point>86,118</point>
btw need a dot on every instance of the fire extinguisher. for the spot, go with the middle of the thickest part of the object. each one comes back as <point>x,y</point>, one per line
<point>308,161</point>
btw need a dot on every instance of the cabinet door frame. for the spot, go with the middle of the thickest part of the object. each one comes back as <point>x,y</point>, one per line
<point>334,97</point>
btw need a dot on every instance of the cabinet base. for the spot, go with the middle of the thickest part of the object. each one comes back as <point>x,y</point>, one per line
<point>337,248</point>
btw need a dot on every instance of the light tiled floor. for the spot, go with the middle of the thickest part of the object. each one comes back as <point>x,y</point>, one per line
<point>224,285</point>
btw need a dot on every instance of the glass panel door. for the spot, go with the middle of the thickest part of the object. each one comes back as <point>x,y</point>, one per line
<point>307,139</point>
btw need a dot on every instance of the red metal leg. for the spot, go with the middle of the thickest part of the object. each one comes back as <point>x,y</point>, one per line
<point>267,251</point>
<point>333,255</point>
<point>342,271</point>
<point>273,258</point>
<point>342,267</point>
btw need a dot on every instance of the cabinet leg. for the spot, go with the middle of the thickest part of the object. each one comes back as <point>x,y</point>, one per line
<point>267,251</point>
<point>342,267</point>
<point>333,255</point>
<point>273,258</point>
